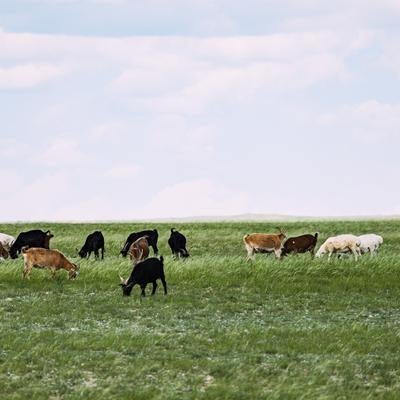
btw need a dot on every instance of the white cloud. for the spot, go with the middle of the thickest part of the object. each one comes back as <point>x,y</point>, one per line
<point>28,75</point>
<point>172,134</point>
<point>108,131</point>
<point>10,180</point>
<point>200,197</point>
<point>186,100</point>
<point>216,24</point>
<point>123,171</point>
<point>36,199</point>
<point>390,57</point>
<point>188,74</point>
<point>111,2</point>
<point>239,83</point>
<point>61,152</point>
<point>90,208</point>
<point>370,120</point>
<point>395,211</point>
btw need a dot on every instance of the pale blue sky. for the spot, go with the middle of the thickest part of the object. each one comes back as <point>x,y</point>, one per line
<point>118,109</point>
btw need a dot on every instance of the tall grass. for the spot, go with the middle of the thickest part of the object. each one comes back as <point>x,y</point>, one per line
<point>296,328</point>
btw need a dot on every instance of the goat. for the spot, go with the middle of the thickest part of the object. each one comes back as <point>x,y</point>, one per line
<point>264,242</point>
<point>147,271</point>
<point>370,243</point>
<point>300,244</point>
<point>152,238</point>
<point>340,244</point>
<point>6,241</point>
<point>3,252</point>
<point>177,243</point>
<point>94,242</point>
<point>43,258</point>
<point>139,250</point>
<point>33,238</point>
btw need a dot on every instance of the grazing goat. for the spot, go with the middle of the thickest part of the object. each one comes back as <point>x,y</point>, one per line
<point>147,271</point>
<point>94,242</point>
<point>300,244</point>
<point>43,258</point>
<point>33,238</point>
<point>152,240</point>
<point>370,243</point>
<point>3,253</point>
<point>340,244</point>
<point>177,243</point>
<point>264,242</point>
<point>6,241</point>
<point>139,250</point>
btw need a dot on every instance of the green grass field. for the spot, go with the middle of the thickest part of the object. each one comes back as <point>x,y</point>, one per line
<point>300,328</point>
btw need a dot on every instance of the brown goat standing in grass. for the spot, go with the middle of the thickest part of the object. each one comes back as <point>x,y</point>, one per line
<point>300,244</point>
<point>42,258</point>
<point>139,250</point>
<point>264,242</point>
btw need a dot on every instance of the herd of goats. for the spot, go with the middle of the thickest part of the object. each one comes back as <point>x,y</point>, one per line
<point>35,248</point>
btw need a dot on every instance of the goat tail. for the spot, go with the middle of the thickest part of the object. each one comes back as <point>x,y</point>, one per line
<point>316,235</point>
<point>162,259</point>
<point>172,230</point>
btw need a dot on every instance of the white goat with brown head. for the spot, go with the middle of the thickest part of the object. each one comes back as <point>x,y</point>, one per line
<point>264,242</point>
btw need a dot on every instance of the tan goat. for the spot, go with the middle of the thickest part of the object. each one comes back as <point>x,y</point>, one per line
<point>264,242</point>
<point>139,250</point>
<point>42,258</point>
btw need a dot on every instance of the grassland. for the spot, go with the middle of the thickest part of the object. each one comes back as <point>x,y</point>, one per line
<point>228,329</point>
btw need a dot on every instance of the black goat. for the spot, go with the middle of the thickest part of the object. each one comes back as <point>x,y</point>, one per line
<point>147,271</point>
<point>94,242</point>
<point>177,242</point>
<point>33,238</point>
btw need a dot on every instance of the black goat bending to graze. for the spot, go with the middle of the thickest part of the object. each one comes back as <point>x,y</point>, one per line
<point>94,242</point>
<point>147,271</point>
<point>33,238</point>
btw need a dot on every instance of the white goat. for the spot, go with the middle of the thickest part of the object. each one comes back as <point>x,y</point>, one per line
<point>340,244</point>
<point>370,243</point>
<point>6,241</point>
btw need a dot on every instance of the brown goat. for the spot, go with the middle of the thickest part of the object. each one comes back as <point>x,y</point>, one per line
<point>139,250</point>
<point>300,244</point>
<point>264,242</point>
<point>42,258</point>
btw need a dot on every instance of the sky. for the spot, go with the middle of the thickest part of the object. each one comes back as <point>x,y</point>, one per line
<point>123,109</point>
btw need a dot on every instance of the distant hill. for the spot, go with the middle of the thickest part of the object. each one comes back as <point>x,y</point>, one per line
<point>270,217</point>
